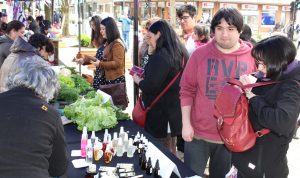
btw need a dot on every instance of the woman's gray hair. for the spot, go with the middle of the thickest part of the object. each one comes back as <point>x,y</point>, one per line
<point>34,73</point>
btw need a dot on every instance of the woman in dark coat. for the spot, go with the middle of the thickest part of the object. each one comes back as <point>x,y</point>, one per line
<point>31,132</point>
<point>275,107</point>
<point>167,57</point>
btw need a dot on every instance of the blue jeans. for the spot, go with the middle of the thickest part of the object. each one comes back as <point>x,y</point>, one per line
<point>126,38</point>
<point>197,152</point>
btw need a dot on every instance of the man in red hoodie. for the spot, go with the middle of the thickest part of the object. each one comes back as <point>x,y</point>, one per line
<point>208,69</point>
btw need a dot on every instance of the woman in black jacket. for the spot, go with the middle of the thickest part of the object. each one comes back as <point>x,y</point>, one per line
<point>31,132</point>
<point>275,107</point>
<point>166,58</point>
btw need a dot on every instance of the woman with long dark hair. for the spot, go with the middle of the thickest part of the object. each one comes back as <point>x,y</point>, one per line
<point>96,37</point>
<point>167,56</point>
<point>110,61</point>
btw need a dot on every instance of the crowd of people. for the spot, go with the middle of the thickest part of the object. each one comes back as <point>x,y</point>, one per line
<point>204,56</point>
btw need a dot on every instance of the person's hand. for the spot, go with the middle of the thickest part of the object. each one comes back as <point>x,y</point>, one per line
<point>245,79</point>
<point>151,50</point>
<point>79,55</point>
<point>136,79</point>
<point>96,63</point>
<point>79,59</point>
<point>187,132</point>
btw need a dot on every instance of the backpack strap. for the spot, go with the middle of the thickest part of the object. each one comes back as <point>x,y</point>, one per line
<point>262,132</point>
<point>253,85</point>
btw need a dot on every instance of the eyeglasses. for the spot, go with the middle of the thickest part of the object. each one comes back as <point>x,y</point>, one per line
<point>185,18</point>
<point>257,62</point>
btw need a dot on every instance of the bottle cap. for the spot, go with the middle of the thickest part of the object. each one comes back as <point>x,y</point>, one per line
<point>93,134</point>
<point>84,131</point>
<point>121,129</point>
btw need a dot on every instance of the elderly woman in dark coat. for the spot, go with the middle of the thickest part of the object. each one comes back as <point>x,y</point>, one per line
<point>31,131</point>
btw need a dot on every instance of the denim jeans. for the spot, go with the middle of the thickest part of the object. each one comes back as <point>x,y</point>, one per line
<point>126,38</point>
<point>197,152</point>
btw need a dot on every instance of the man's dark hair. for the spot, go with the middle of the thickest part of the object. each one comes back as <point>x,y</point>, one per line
<point>231,15</point>
<point>30,18</point>
<point>111,29</point>
<point>276,52</point>
<point>39,18</point>
<point>191,10</point>
<point>38,40</point>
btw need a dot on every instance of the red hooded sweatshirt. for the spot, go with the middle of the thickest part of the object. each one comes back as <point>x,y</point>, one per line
<point>207,70</point>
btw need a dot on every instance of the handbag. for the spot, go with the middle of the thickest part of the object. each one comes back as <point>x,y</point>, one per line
<point>118,93</point>
<point>139,112</point>
<point>231,112</point>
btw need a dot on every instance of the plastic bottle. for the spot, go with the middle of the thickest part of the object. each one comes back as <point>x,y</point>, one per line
<point>130,149</point>
<point>107,155</point>
<point>84,138</point>
<point>125,142</point>
<point>93,138</point>
<point>121,133</point>
<point>89,152</point>
<point>115,140</point>
<point>98,153</point>
<point>104,141</point>
<point>120,146</point>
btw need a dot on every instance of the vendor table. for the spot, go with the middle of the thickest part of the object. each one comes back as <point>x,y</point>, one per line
<point>73,137</point>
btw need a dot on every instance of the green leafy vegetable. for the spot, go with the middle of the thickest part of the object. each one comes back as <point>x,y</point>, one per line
<point>90,112</point>
<point>67,93</point>
<point>81,83</point>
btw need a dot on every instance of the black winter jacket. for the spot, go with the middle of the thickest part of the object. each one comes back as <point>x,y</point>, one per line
<point>275,107</point>
<point>32,141</point>
<point>158,74</point>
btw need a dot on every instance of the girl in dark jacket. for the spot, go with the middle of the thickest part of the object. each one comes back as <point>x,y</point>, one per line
<point>166,57</point>
<point>275,107</point>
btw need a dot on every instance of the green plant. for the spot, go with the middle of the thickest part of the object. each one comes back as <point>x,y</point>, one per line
<point>85,40</point>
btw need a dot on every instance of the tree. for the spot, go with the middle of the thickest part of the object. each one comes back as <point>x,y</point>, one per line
<point>65,19</point>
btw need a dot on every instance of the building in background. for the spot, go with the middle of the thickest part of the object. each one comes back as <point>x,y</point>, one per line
<point>261,15</point>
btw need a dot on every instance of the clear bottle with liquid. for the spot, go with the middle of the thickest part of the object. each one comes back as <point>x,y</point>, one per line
<point>120,147</point>
<point>130,149</point>
<point>98,153</point>
<point>93,138</point>
<point>108,154</point>
<point>89,152</point>
<point>115,140</point>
